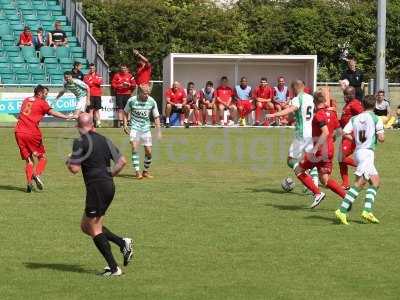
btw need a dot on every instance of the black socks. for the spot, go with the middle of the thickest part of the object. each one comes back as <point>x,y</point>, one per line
<point>114,238</point>
<point>104,247</point>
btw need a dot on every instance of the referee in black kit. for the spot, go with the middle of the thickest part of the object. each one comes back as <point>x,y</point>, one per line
<point>93,153</point>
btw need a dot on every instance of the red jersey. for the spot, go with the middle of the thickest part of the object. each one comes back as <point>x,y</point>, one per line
<point>25,39</point>
<point>119,80</point>
<point>225,93</point>
<point>351,109</point>
<point>324,117</point>
<point>94,82</point>
<point>32,111</point>
<point>175,96</point>
<point>263,92</point>
<point>143,74</point>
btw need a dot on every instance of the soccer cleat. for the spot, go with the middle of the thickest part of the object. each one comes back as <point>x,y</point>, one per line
<point>108,273</point>
<point>317,200</point>
<point>369,217</point>
<point>167,125</point>
<point>242,122</point>
<point>29,188</point>
<point>38,182</point>
<point>127,250</point>
<point>342,217</point>
<point>138,175</point>
<point>147,175</point>
<point>187,125</point>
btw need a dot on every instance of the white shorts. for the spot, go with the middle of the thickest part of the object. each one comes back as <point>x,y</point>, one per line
<point>144,138</point>
<point>299,146</point>
<point>81,104</point>
<point>365,163</point>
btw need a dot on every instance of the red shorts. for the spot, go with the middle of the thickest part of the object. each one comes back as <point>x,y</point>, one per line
<point>245,105</point>
<point>324,165</point>
<point>348,147</point>
<point>29,145</point>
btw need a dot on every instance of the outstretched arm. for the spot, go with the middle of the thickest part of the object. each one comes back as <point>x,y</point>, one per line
<point>56,114</point>
<point>142,57</point>
<point>283,112</point>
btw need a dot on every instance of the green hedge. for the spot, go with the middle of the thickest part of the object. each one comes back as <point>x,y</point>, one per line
<point>158,27</point>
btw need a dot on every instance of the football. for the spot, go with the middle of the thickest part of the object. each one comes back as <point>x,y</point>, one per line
<point>288,184</point>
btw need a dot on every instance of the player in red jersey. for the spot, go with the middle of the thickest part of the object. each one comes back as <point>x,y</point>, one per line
<point>223,96</point>
<point>352,108</point>
<point>324,125</point>
<point>143,70</point>
<point>29,136</point>
<point>263,96</point>
<point>94,82</point>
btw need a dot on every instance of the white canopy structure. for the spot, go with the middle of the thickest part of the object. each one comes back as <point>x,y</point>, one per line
<point>199,68</point>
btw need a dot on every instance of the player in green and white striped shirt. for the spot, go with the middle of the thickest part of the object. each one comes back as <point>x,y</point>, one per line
<point>80,90</point>
<point>139,108</point>
<point>366,129</point>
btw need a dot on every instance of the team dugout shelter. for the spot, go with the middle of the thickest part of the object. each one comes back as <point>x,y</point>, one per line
<point>199,68</point>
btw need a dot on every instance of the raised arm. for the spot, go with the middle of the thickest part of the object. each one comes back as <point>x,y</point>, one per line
<point>140,56</point>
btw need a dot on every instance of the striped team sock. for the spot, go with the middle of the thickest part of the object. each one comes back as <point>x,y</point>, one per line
<point>348,200</point>
<point>314,175</point>
<point>135,161</point>
<point>370,198</point>
<point>147,162</point>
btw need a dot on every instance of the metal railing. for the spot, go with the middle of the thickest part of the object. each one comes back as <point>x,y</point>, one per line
<point>83,31</point>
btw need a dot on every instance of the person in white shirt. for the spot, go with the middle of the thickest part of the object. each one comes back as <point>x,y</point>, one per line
<point>366,129</point>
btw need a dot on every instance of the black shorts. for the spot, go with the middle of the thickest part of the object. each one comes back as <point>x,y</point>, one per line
<point>121,100</point>
<point>99,196</point>
<point>95,102</point>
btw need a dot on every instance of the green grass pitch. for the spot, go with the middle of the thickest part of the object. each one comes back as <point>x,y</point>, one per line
<point>213,224</point>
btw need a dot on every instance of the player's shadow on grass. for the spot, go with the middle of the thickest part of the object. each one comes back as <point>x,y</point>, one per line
<point>272,191</point>
<point>126,176</point>
<point>287,207</point>
<point>58,267</point>
<point>316,217</point>
<point>12,188</point>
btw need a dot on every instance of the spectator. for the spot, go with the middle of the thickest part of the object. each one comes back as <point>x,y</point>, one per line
<point>58,37</point>
<point>206,101</point>
<point>355,78</point>
<point>382,109</point>
<point>25,38</point>
<point>192,98</point>
<point>243,100</point>
<point>176,103</point>
<point>223,101</point>
<point>123,84</point>
<point>143,70</point>
<point>76,71</point>
<point>94,81</point>
<point>397,122</point>
<point>263,96</point>
<point>39,39</point>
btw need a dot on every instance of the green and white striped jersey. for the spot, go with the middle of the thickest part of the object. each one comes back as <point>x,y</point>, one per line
<point>364,127</point>
<point>140,113</point>
<point>76,87</point>
<point>304,115</point>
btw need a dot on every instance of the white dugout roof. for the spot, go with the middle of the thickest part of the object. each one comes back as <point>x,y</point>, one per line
<point>199,68</point>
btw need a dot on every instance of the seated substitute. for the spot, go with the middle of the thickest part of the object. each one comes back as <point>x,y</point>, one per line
<point>193,101</point>
<point>206,101</point>
<point>176,103</point>
<point>263,95</point>
<point>243,100</point>
<point>224,101</point>
<point>281,98</point>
